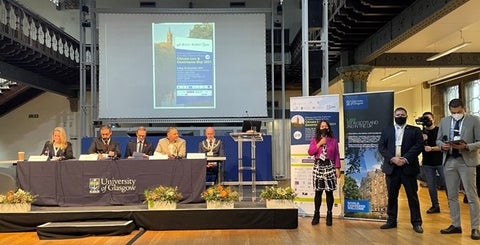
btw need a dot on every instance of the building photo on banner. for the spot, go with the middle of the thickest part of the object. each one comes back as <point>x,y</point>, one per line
<point>306,113</point>
<point>365,190</point>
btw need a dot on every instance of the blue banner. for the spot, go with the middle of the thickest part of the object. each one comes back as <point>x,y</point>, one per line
<point>365,116</point>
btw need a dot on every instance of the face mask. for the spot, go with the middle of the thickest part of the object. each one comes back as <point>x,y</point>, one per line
<point>323,131</point>
<point>400,120</point>
<point>457,116</point>
<point>429,123</point>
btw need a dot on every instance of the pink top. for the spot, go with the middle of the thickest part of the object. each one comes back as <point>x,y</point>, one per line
<point>332,150</point>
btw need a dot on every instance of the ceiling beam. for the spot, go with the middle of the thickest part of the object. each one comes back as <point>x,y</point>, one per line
<point>35,80</point>
<point>420,60</point>
<point>412,20</point>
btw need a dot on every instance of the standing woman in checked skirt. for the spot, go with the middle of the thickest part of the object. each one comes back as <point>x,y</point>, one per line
<point>326,171</point>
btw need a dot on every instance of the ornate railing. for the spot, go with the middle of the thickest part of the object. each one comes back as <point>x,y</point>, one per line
<point>33,31</point>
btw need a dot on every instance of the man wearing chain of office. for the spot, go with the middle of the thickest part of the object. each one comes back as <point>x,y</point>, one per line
<point>212,147</point>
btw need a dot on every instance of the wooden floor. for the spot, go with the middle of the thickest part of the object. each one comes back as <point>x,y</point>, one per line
<point>342,232</point>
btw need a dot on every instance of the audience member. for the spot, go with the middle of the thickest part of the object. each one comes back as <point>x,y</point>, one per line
<point>400,146</point>
<point>459,138</point>
<point>140,144</point>
<point>173,146</point>
<point>432,161</point>
<point>58,148</point>
<point>326,171</point>
<point>213,148</point>
<point>104,145</point>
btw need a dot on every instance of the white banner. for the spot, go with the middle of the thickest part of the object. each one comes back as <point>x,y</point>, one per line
<point>305,113</point>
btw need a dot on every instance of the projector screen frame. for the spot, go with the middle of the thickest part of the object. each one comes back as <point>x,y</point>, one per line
<point>200,119</point>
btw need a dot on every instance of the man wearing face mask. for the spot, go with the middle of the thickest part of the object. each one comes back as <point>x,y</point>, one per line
<point>459,138</point>
<point>400,146</point>
<point>432,161</point>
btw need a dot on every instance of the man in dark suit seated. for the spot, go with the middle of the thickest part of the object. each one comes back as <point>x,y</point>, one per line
<point>140,144</point>
<point>400,145</point>
<point>104,146</point>
<point>213,148</point>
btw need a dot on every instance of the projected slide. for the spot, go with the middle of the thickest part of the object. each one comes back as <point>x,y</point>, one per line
<point>182,66</point>
<point>184,75</point>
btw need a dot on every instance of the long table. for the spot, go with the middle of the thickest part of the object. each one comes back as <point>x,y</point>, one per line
<point>109,182</point>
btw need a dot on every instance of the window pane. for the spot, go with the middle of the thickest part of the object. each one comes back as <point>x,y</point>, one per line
<point>472,92</point>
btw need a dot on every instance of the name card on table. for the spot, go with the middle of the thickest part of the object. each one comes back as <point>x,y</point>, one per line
<point>196,156</point>
<point>88,157</point>
<point>41,158</point>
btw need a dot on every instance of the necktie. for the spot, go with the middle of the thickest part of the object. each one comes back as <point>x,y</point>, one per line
<point>456,132</point>
<point>140,146</point>
<point>105,146</point>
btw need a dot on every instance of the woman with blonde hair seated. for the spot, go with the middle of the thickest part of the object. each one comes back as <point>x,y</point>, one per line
<point>58,148</point>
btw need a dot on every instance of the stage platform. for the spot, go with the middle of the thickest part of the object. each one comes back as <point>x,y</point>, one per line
<point>245,215</point>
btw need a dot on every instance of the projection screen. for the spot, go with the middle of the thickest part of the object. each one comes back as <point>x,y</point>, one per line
<point>182,66</point>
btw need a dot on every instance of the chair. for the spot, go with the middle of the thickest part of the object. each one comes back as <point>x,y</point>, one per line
<point>212,175</point>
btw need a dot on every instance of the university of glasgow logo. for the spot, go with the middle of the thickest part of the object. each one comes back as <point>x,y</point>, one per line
<point>94,185</point>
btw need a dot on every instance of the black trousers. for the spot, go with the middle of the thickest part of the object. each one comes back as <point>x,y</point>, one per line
<point>409,182</point>
<point>478,181</point>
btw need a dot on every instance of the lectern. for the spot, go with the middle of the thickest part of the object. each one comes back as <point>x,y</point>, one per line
<point>251,137</point>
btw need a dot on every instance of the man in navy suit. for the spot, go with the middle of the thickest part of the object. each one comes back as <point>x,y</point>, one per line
<point>104,146</point>
<point>212,147</point>
<point>459,138</point>
<point>140,144</point>
<point>400,146</point>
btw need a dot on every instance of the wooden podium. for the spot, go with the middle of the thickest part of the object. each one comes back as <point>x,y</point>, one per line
<point>251,137</point>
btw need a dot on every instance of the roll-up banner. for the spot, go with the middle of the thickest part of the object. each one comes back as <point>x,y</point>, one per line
<point>305,113</point>
<point>364,190</point>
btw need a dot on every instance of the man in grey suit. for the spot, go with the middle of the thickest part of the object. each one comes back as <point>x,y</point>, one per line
<point>459,138</point>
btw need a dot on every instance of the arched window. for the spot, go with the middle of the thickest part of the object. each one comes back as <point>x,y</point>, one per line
<point>472,97</point>
<point>449,94</point>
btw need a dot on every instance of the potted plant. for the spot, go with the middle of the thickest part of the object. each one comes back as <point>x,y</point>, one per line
<point>162,197</point>
<point>219,196</point>
<point>16,201</point>
<point>278,197</point>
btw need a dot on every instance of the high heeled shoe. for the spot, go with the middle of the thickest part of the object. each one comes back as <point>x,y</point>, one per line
<point>316,218</point>
<point>329,218</point>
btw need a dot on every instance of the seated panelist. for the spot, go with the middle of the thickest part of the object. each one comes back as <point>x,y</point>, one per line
<point>212,147</point>
<point>173,146</point>
<point>104,146</point>
<point>140,144</point>
<point>58,148</point>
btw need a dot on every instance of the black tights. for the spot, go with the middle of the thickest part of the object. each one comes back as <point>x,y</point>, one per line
<point>318,200</point>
